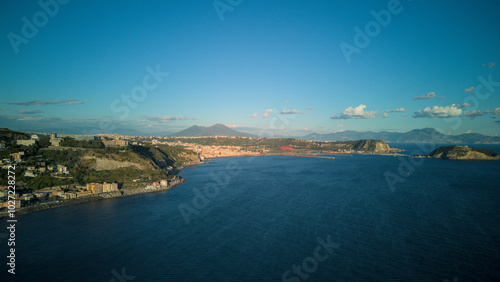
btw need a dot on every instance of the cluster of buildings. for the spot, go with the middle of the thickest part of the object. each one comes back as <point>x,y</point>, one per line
<point>115,142</point>
<point>55,141</point>
<point>41,167</point>
<point>63,192</point>
<point>98,188</point>
<point>72,191</point>
<point>207,152</point>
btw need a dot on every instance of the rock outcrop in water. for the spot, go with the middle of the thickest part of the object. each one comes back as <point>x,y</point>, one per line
<point>463,153</point>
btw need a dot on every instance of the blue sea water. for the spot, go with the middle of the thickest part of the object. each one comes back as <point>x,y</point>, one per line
<point>272,216</point>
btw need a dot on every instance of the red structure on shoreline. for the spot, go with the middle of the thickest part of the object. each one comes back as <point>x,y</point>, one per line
<point>285,148</point>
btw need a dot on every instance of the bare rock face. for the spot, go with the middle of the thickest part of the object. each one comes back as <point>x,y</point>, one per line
<point>463,153</point>
<point>374,146</point>
<point>105,164</point>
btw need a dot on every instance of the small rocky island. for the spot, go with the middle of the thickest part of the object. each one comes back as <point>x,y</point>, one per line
<point>463,153</point>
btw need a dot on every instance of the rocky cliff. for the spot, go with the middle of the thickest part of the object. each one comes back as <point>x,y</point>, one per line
<point>374,146</point>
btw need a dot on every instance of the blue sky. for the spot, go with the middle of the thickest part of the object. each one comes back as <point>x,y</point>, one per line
<point>256,65</point>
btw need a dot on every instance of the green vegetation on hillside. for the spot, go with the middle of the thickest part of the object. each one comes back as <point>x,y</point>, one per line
<point>463,153</point>
<point>91,144</point>
<point>164,155</point>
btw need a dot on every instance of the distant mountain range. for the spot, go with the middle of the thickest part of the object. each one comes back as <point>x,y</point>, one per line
<point>214,130</point>
<point>423,135</point>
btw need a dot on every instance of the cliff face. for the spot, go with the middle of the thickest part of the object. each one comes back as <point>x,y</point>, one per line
<point>463,153</point>
<point>108,164</point>
<point>374,146</point>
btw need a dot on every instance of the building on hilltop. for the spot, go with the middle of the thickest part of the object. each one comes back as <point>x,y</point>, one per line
<point>26,142</point>
<point>285,148</point>
<point>116,142</point>
<point>54,141</point>
<point>61,169</point>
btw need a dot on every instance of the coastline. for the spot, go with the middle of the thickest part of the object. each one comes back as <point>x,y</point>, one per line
<point>93,198</point>
<point>144,190</point>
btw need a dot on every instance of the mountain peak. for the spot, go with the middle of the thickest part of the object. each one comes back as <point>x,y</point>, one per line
<point>218,125</point>
<point>214,130</point>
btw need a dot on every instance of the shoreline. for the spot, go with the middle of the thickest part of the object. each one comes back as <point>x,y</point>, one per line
<point>93,198</point>
<point>144,190</point>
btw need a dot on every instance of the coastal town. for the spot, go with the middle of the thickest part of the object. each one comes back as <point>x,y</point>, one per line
<point>54,168</point>
<point>38,166</point>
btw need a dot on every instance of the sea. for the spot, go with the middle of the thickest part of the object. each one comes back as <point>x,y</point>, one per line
<point>279,218</point>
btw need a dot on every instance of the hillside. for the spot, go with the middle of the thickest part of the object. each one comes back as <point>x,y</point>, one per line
<point>272,145</point>
<point>463,153</point>
<point>8,135</point>
<point>424,135</point>
<point>214,130</point>
<point>129,165</point>
<point>374,146</point>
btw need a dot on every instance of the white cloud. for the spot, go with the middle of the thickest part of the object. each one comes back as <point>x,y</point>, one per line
<point>289,112</point>
<point>267,112</point>
<point>468,131</point>
<point>496,111</point>
<point>358,113</point>
<point>340,125</point>
<point>470,89</point>
<point>253,116</point>
<point>439,112</point>
<point>440,98</point>
<point>405,115</point>
<point>309,108</point>
<point>429,95</point>
<point>386,115</point>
